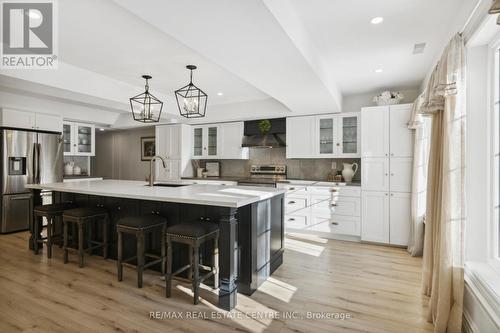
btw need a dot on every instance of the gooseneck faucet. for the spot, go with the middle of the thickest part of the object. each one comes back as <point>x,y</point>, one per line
<point>151,172</point>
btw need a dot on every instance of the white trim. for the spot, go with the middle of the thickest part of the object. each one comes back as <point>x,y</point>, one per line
<point>468,325</point>
<point>493,242</point>
<point>484,284</point>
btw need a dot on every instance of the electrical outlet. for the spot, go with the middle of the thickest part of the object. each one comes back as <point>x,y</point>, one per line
<point>334,165</point>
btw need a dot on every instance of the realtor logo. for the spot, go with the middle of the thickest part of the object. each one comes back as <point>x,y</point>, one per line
<point>28,34</point>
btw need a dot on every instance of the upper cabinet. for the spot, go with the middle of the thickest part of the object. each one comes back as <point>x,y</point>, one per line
<point>31,120</point>
<point>324,136</point>
<point>385,131</point>
<point>79,139</point>
<point>230,144</point>
<point>300,138</point>
<point>173,142</point>
<point>219,141</point>
<point>206,141</point>
<point>348,138</point>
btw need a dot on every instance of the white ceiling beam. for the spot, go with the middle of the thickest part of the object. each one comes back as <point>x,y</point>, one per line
<point>245,38</point>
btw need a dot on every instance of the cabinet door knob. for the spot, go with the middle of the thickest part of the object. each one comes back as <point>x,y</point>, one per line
<point>386,154</point>
<point>386,174</point>
<point>292,188</point>
<point>386,194</point>
<point>333,205</point>
<point>335,223</point>
<point>392,174</point>
<point>334,190</point>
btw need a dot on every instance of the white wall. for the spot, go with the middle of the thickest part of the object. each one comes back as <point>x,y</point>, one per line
<point>356,102</point>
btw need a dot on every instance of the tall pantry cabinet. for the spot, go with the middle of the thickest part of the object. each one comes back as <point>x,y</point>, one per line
<point>386,155</point>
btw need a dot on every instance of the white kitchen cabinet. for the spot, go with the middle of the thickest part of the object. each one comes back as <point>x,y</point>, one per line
<point>206,141</point>
<point>387,164</point>
<point>325,210</point>
<point>78,139</point>
<point>169,141</point>
<point>173,142</point>
<point>375,174</point>
<point>326,136</point>
<point>348,135</point>
<point>300,137</point>
<point>31,120</point>
<point>375,132</point>
<point>230,143</point>
<point>401,138</point>
<point>48,122</point>
<point>400,218</point>
<point>172,171</point>
<point>375,217</point>
<point>401,174</point>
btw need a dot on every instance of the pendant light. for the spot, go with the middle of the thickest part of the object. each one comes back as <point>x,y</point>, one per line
<point>191,100</point>
<point>145,107</point>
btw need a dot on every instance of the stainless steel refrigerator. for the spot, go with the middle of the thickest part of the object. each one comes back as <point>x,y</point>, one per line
<point>27,157</point>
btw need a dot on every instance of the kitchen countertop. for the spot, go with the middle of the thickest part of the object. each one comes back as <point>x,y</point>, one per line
<point>198,194</point>
<point>285,181</point>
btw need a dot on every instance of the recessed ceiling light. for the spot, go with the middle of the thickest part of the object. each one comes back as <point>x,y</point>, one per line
<point>379,70</point>
<point>101,129</point>
<point>377,20</point>
<point>220,94</point>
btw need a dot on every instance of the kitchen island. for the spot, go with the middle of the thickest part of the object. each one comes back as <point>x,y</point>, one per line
<point>250,220</point>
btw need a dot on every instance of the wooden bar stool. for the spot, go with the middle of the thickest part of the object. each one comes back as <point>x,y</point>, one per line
<point>141,226</point>
<point>193,234</point>
<point>50,212</point>
<point>81,217</point>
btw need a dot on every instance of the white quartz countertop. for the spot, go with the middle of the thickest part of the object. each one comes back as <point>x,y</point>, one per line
<point>199,194</point>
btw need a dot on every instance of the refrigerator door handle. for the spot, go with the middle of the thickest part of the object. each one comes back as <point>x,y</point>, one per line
<point>36,163</point>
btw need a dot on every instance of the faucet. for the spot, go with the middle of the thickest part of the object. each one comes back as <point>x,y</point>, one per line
<point>151,173</point>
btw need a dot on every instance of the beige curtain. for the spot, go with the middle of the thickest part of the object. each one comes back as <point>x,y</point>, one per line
<point>421,126</point>
<point>443,278</point>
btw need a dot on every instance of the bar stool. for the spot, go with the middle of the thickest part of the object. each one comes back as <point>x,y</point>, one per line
<point>50,212</point>
<point>141,226</point>
<point>193,234</point>
<point>81,217</point>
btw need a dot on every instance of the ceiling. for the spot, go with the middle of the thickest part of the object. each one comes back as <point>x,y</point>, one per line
<point>353,48</point>
<point>297,56</point>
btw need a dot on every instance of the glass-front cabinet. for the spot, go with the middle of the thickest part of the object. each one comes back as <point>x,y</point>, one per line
<point>327,131</point>
<point>337,135</point>
<point>78,139</point>
<point>205,142</point>
<point>349,143</point>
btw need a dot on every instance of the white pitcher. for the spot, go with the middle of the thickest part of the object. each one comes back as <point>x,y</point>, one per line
<point>349,171</point>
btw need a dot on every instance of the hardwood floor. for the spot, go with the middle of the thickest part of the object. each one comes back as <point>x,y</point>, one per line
<point>378,287</point>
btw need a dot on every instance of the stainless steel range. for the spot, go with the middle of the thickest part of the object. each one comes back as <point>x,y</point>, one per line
<point>264,175</point>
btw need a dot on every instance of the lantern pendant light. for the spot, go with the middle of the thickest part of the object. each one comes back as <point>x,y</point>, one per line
<point>145,107</point>
<point>191,101</point>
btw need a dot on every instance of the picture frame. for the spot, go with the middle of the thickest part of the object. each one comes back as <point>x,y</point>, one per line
<point>148,149</point>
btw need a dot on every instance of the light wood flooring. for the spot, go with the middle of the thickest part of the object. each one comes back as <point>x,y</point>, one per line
<point>378,287</point>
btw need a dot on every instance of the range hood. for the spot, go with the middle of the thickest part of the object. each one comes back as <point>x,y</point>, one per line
<point>274,138</point>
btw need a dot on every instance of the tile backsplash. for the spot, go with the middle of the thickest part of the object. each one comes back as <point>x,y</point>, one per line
<point>310,169</point>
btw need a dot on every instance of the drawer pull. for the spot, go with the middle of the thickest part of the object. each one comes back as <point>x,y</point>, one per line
<point>291,202</point>
<point>292,188</point>
<point>291,219</point>
<point>335,223</point>
<point>334,190</point>
<point>333,205</point>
